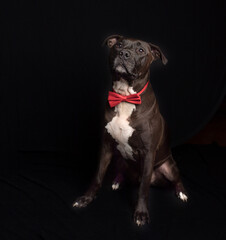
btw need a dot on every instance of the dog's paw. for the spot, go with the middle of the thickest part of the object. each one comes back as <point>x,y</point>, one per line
<point>115,185</point>
<point>117,181</point>
<point>82,201</point>
<point>182,196</point>
<point>141,218</point>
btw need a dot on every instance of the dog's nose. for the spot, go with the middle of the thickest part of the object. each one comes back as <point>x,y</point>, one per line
<point>125,54</point>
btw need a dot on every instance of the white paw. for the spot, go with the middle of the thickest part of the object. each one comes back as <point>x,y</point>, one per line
<point>183,197</point>
<point>138,222</point>
<point>115,186</point>
<point>75,204</point>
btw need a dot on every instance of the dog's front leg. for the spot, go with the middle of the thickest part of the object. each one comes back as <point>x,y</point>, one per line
<point>106,155</point>
<point>141,215</point>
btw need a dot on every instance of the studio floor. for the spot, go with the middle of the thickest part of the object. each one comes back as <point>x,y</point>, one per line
<point>36,200</point>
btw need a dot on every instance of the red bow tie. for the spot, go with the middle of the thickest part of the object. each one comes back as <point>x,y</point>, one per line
<point>115,98</point>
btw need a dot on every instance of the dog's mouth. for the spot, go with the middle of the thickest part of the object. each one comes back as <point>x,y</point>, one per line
<point>120,69</point>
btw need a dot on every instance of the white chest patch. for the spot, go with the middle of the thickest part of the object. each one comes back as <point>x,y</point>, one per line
<point>119,127</point>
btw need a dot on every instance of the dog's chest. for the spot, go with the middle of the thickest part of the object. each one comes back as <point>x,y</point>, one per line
<point>119,127</point>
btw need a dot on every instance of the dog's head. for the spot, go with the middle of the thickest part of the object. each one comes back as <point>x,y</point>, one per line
<point>131,58</point>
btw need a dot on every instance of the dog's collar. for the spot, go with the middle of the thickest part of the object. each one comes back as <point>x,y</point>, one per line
<point>115,98</point>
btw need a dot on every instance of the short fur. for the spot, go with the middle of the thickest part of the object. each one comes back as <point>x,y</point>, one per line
<point>137,134</point>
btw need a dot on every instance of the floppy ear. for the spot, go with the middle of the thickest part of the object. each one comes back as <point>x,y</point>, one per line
<point>157,53</point>
<point>111,40</point>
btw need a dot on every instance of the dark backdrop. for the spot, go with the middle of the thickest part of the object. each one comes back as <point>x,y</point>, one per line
<point>54,75</point>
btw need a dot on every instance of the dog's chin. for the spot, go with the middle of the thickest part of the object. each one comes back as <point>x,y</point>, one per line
<point>121,71</point>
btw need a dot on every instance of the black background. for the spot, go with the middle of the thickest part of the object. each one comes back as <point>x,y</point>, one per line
<point>54,80</point>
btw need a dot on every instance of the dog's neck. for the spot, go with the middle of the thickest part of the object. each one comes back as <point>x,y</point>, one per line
<point>125,87</point>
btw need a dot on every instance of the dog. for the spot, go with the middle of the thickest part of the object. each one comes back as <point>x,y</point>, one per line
<point>135,131</point>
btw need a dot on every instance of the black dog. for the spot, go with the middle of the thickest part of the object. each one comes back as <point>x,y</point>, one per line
<point>135,129</point>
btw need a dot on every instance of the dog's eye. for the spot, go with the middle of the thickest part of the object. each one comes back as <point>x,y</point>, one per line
<point>141,50</point>
<point>118,45</point>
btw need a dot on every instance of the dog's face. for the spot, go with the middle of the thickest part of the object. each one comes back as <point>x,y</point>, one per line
<point>131,58</point>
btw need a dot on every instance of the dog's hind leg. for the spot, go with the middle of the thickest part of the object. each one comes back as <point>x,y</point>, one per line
<point>170,171</point>
<point>117,181</point>
<point>120,171</point>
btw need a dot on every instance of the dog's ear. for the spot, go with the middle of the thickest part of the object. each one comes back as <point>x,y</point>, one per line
<point>111,40</point>
<point>157,53</point>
